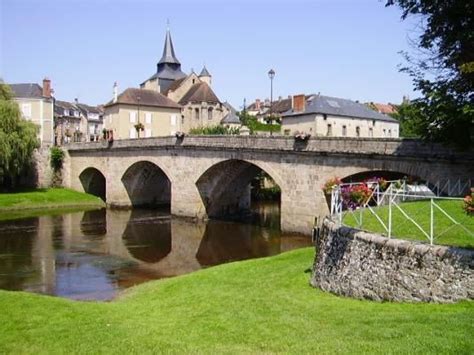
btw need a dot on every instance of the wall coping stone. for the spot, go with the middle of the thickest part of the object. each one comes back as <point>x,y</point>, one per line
<point>314,146</point>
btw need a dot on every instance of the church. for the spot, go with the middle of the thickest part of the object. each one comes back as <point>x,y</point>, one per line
<point>167,102</point>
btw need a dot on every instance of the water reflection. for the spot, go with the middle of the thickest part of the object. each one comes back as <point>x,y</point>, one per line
<point>95,254</point>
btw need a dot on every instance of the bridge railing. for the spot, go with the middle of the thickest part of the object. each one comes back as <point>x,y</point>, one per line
<point>394,210</point>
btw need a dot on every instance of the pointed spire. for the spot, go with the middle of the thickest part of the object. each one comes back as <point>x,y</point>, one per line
<point>204,71</point>
<point>168,56</point>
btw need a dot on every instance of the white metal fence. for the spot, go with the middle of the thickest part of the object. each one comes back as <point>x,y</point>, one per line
<point>392,196</point>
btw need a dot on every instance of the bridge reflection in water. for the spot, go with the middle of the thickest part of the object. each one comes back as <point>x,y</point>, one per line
<point>93,255</point>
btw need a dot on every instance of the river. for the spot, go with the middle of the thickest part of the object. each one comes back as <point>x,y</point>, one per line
<point>94,255</point>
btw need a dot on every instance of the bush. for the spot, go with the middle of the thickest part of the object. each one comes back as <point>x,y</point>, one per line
<point>57,158</point>
<point>215,130</point>
<point>468,205</point>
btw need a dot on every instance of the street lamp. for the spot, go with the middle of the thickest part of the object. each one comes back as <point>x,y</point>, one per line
<point>271,75</point>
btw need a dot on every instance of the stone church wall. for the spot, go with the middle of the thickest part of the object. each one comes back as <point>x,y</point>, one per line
<point>368,266</point>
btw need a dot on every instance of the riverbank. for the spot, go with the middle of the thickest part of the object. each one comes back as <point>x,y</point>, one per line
<point>41,201</point>
<point>255,306</point>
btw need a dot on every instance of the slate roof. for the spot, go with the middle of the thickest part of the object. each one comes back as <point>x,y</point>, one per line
<point>174,85</point>
<point>338,107</point>
<point>61,106</point>
<point>89,109</point>
<point>168,51</point>
<point>204,72</point>
<point>199,92</point>
<point>231,117</point>
<point>147,98</point>
<point>28,90</point>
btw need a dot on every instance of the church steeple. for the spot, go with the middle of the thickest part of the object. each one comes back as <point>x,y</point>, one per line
<point>168,57</point>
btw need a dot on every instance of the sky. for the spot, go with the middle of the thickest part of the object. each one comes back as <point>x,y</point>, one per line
<point>342,48</point>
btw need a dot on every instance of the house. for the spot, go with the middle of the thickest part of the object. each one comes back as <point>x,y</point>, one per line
<point>69,124</point>
<point>386,109</point>
<point>261,109</point>
<point>37,105</point>
<point>328,116</point>
<point>94,116</point>
<point>231,120</point>
<point>139,113</point>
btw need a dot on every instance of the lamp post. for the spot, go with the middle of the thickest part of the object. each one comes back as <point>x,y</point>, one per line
<point>271,75</point>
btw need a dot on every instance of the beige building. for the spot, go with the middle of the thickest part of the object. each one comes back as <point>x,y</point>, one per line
<point>320,115</point>
<point>37,105</point>
<point>142,113</point>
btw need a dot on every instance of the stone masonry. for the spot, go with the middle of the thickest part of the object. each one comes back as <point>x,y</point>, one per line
<point>357,264</point>
<point>198,184</point>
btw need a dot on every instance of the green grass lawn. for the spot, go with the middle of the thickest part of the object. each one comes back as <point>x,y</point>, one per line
<point>12,203</point>
<point>446,233</point>
<point>256,306</point>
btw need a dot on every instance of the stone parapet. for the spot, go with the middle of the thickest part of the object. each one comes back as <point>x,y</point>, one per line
<point>363,265</point>
<point>318,146</point>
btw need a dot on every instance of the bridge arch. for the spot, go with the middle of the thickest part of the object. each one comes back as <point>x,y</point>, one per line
<point>147,185</point>
<point>225,187</point>
<point>93,182</point>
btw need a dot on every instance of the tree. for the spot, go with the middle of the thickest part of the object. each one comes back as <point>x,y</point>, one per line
<point>409,117</point>
<point>17,140</point>
<point>443,71</point>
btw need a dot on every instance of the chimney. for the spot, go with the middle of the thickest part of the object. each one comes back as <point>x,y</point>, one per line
<point>115,92</point>
<point>76,101</point>
<point>299,103</point>
<point>279,98</point>
<point>257,104</point>
<point>46,87</point>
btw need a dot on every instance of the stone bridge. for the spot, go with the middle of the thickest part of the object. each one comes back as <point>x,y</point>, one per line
<point>209,176</point>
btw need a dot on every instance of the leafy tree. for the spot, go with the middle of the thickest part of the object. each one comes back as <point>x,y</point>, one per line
<point>444,69</point>
<point>17,140</point>
<point>409,117</point>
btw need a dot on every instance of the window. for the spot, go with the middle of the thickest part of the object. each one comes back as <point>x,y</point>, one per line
<point>357,131</point>
<point>344,131</point>
<point>196,113</point>
<point>133,117</point>
<point>329,132</point>
<point>26,110</point>
<point>133,132</point>
<point>286,132</point>
<point>66,112</point>
<point>182,119</point>
<point>148,117</point>
<point>389,132</point>
<point>325,117</point>
<point>209,113</point>
<point>384,132</point>
<point>173,120</point>
<point>371,132</point>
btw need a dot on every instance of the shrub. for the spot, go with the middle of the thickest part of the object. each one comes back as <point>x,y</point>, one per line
<point>57,158</point>
<point>468,205</point>
<point>215,130</point>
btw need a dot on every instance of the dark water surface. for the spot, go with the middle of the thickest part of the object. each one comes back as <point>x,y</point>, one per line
<point>94,255</point>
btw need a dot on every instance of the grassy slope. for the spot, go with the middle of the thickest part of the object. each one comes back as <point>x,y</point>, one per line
<point>263,305</point>
<point>46,198</point>
<point>420,212</point>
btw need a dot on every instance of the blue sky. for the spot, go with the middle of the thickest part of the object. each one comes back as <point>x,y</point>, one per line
<point>342,48</point>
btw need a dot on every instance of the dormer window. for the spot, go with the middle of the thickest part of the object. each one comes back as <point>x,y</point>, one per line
<point>66,112</point>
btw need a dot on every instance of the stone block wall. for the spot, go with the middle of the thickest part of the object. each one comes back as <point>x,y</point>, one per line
<point>357,264</point>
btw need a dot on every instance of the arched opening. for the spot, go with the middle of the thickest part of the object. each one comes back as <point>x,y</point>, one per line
<point>147,185</point>
<point>93,182</point>
<point>236,189</point>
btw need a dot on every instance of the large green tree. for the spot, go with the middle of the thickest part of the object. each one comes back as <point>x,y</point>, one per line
<point>442,68</point>
<point>17,140</point>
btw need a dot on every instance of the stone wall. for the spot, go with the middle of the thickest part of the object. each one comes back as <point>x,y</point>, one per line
<point>40,173</point>
<point>368,266</point>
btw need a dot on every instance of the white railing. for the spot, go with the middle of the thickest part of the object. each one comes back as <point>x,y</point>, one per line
<point>452,187</point>
<point>396,193</point>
